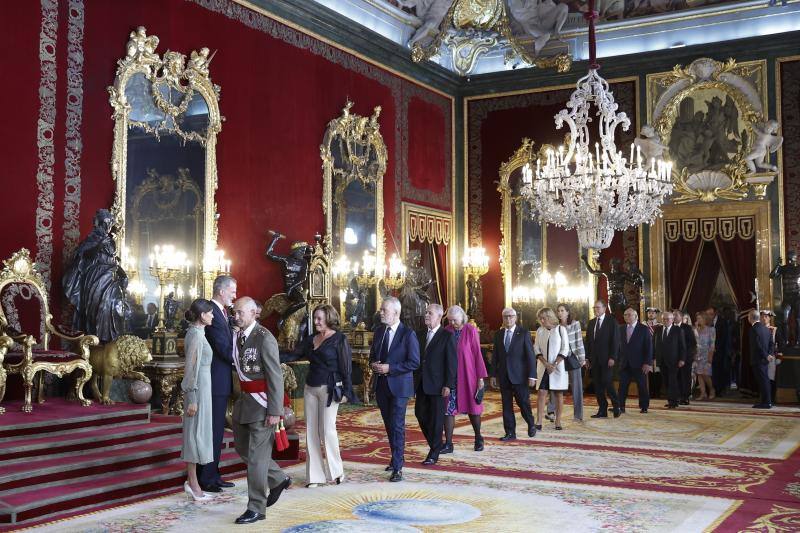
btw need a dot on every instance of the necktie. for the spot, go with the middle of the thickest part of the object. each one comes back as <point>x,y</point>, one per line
<point>630,332</point>
<point>666,332</point>
<point>387,339</point>
<point>242,339</point>
<point>597,326</point>
<point>430,336</point>
<point>507,341</point>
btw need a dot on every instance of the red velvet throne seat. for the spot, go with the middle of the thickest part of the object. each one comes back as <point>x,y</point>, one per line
<point>24,318</point>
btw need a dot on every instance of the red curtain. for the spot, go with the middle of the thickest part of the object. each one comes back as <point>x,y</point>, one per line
<point>682,260</point>
<point>704,280</point>
<point>738,259</point>
<point>440,254</point>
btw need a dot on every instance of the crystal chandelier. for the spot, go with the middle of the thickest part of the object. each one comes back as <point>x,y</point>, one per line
<point>596,191</point>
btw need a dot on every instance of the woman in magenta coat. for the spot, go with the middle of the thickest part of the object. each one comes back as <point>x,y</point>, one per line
<point>469,378</point>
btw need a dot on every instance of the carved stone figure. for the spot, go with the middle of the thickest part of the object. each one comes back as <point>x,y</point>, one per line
<point>473,295</point>
<point>616,279</point>
<point>766,141</point>
<point>541,19</point>
<point>650,145</point>
<point>431,12</point>
<point>789,274</point>
<point>119,359</point>
<point>94,283</point>
<point>414,293</point>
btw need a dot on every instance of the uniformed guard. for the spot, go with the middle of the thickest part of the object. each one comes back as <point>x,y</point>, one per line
<point>258,409</point>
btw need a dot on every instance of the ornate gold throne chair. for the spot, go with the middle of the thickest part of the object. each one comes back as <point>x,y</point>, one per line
<point>24,312</point>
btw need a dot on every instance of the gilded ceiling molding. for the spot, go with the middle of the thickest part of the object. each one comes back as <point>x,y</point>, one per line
<point>73,146</point>
<point>45,138</point>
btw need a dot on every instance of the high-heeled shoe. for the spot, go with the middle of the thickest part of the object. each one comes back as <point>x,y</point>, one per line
<point>192,496</point>
<point>339,479</point>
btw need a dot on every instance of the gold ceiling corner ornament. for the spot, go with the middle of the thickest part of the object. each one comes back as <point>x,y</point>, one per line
<point>156,97</point>
<point>471,28</point>
<point>710,116</point>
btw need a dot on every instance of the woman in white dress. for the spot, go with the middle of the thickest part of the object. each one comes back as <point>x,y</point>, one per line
<point>551,348</point>
<point>196,386</point>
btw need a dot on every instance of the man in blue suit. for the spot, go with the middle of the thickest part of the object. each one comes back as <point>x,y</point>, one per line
<point>636,358</point>
<point>761,347</point>
<point>220,337</point>
<point>394,356</point>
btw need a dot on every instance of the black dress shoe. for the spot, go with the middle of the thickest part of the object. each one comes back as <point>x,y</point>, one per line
<point>397,475</point>
<point>617,412</point>
<point>684,402</point>
<point>671,406</point>
<point>225,484</point>
<point>447,448</point>
<point>531,431</point>
<point>508,436</point>
<point>762,406</point>
<point>643,411</point>
<point>622,410</point>
<point>275,493</point>
<point>388,468</point>
<point>478,444</point>
<point>210,488</point>
<point>248,517</point>
<point>600,415</point>
<point>429,461</point>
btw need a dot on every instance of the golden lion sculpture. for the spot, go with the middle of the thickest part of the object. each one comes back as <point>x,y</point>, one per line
<point>117,359</point>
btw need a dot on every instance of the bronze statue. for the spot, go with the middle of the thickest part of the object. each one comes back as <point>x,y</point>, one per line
<point>473,292</point>
<point>616,283</point>
<point>290,304</point>
<point>414,293</point>
<point>636,279</point>
<point>94,283</point>
<point>789,275</point>
<point>170,307</point>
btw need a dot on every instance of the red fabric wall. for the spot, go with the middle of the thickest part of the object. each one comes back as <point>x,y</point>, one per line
<point>280,88</point>
<point>495,129</point>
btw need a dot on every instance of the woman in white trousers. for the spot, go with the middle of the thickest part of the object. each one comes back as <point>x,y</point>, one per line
<point>329,382</point>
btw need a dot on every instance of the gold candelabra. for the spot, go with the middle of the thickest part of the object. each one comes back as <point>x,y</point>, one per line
<point>215,264</point>
<point>169,266</point>
<point>395,276</point>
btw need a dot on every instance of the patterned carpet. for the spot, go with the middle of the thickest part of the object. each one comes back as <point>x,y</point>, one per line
<point>709,467</point>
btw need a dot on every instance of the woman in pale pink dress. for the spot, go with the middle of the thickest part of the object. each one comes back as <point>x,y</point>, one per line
<point>469,378</point>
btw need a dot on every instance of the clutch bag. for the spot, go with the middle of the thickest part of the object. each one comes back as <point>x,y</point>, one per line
<point>479,395</point>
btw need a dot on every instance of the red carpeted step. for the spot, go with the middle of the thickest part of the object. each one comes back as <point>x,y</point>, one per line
<point>84,439</point>
<point>29,504</point>
<point>57,414</point>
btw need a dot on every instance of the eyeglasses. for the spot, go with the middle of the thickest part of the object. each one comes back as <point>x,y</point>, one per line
<point>509,316</point>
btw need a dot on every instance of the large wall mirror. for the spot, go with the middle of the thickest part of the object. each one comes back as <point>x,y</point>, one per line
<point>354,162</point>
<point>167,118</point>
<point>522,248</point>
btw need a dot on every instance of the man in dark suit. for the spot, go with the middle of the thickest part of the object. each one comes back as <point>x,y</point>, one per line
<point>220,336</point>
<point>761,347</point>
<point>721,364</point>
<point>514,366</point>
<point>602,345</point>
<point>636,359</point>
<point>671,356</point>
<point>685,372</point>
<point>394,356</point>
<point>434,379</point>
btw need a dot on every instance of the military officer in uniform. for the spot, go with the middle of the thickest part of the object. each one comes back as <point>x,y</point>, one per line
<point>258,409</point>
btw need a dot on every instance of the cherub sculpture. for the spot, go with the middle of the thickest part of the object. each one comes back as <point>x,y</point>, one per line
<point>766,141</point>
<point>650,145</point>
<point>541,19</point>
<point>431,12</point>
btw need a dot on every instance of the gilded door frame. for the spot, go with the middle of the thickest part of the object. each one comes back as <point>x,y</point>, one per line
<point>760,210</point>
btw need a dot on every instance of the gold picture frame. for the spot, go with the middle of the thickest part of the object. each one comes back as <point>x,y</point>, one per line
<point>705,116</point>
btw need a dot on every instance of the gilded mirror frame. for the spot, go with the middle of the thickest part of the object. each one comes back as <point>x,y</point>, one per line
<point>173,69</point>
<point>522,156</point>
<point>364,131</point>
